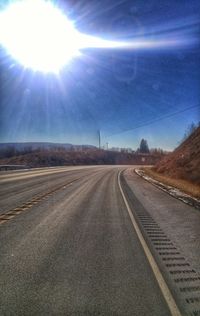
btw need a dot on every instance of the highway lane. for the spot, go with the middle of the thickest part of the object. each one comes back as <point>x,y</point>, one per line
<point>11,176</point>
<point>17,188</point>
<point>77,253</point>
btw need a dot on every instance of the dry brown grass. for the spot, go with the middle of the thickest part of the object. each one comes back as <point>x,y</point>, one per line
<point>183,185</point>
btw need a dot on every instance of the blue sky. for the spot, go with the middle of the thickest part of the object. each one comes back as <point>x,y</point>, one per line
<point>110,90</point>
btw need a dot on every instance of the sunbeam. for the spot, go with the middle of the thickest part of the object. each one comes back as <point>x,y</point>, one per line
<point>39,36</point>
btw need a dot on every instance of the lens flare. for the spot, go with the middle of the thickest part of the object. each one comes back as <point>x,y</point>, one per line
<point>39,36</point>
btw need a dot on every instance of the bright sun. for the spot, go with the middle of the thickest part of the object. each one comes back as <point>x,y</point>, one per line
<point>38,35</point>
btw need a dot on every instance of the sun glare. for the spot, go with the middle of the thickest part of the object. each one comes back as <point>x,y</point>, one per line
<point>38,35</point>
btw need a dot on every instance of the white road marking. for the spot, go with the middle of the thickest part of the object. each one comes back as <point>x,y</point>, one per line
<point>158,275</point>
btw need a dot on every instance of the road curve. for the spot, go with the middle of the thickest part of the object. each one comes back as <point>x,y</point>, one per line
<point>74,252</point>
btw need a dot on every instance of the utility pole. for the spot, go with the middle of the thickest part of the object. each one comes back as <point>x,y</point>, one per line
<point>99,134</point>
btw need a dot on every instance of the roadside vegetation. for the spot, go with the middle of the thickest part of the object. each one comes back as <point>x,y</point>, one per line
<point>183,185</point>
<point>50,154</point>
<point>181,168</point>
<point>62,157</point>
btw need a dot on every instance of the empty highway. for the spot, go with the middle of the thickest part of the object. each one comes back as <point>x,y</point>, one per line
<point>95,241</point>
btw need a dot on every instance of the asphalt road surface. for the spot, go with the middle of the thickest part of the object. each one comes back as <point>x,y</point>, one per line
<point>69,247</point>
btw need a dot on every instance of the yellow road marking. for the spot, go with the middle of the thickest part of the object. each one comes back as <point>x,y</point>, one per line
<point>158,275</point>
<point>37,173</point>
<point>27,205</point>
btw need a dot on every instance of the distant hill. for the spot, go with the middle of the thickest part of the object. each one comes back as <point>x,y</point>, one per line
<point>41,145</point>
<point>184,161</point>
<point>62,157</point>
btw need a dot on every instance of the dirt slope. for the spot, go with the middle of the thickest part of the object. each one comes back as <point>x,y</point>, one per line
<point>184,161</point>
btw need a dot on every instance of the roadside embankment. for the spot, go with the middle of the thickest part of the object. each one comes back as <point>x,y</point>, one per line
<point>182,189</point>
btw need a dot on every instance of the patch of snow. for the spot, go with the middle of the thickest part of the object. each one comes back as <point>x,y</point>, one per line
<point>186,198</point>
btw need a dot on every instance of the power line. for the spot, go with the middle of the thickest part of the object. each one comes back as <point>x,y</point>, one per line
<point>155,120</point>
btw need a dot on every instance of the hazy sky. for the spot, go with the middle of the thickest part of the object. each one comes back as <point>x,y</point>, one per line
<point>111,90</point>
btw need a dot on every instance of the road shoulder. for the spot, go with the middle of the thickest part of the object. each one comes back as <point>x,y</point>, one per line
<point>172,230</point>
<point>175,192</point>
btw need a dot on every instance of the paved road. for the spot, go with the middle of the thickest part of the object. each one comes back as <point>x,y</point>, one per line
<point>73,250</point>
<point>19,186</point>
<point>76,252</point>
